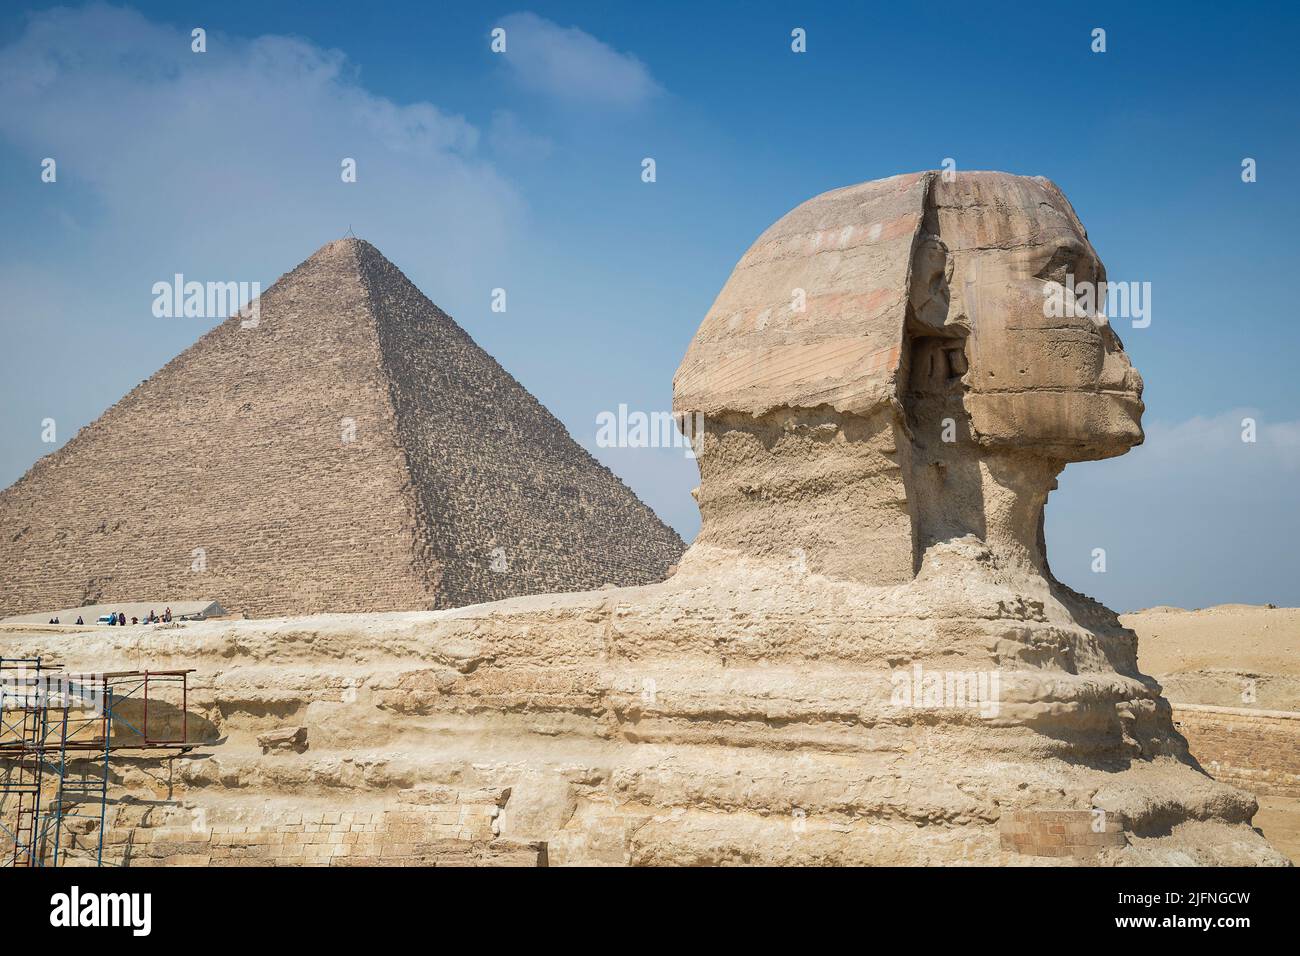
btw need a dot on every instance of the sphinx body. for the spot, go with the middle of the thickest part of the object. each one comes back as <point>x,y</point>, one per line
<point>864,657</point>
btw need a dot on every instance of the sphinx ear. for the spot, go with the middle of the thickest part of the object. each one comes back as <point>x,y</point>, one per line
<point>931,274</point>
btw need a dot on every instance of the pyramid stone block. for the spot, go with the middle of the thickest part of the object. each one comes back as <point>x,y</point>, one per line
<point>354,451</point>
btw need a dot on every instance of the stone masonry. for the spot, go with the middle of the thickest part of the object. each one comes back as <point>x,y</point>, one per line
<point>354,451</point>
<point>1081,834</point>
<point>447,827</point>
<point>1258,751</point>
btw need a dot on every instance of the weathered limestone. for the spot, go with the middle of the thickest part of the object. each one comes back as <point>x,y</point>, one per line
<point>863,659</point>
<point>355,451</point>
<point>284,738</point>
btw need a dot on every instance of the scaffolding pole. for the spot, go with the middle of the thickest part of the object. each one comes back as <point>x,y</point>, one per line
<point>83,717</point>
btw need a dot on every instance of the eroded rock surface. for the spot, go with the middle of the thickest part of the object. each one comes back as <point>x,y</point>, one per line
<point>863,659</point>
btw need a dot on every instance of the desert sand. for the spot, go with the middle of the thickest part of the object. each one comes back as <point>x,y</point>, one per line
<point>1206,656</point>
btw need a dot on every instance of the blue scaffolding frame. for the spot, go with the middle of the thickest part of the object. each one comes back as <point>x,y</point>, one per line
<point>46,714</point>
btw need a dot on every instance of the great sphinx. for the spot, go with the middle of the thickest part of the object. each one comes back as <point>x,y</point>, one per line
<point>886,407</point>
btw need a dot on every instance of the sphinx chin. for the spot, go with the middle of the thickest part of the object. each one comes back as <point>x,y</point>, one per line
<point>1063,425</point>
<point>1112,426</point>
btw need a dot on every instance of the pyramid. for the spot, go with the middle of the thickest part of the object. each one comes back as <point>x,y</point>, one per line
<point>355,451</point>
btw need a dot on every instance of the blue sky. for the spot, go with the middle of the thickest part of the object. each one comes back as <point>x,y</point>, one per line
<point>522,171</point>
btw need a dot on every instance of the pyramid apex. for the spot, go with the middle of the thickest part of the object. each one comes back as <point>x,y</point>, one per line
<point>336,246</point>
<point>346,254</point>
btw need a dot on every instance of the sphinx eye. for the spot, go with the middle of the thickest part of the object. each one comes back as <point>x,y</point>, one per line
<point>1066,261</point>
<point>1058,265</point>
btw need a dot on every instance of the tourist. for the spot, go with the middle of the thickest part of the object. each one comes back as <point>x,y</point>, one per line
<point>135,620</point>
<point>79,620</point>
<point>121,618</point>
<point>167,616</point>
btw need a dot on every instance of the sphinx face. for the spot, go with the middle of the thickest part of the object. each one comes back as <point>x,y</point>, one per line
<point>1047,373</point>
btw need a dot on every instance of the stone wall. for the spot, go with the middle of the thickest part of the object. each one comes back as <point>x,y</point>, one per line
<point>451,828</point>
<point>1080,834</point>
<point>1258,751</point>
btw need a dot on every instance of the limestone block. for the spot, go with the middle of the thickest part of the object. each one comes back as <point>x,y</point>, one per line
<point>284,738</point>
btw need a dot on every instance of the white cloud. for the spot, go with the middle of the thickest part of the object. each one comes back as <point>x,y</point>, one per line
<point>1193,517</point>
<point>570,64</point>
<point>1276,444</point>
<point>510,139</point>
<point>243,143</point>
<point>223,165</point>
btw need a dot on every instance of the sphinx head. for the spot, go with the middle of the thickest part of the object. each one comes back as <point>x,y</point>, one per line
<point>1005,302</point>
<point>891,365</point>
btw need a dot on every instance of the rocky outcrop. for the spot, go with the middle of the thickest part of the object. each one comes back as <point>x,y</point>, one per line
<point>760,720</point>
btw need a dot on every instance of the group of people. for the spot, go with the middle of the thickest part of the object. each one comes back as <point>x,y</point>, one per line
<point>119,618</point>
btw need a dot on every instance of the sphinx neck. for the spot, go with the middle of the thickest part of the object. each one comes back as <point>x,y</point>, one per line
<point>1014,490</point>
<point>858,498</point>
<point>996,496</point>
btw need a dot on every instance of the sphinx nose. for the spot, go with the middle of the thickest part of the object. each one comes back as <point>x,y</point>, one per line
<point>1130,380</point>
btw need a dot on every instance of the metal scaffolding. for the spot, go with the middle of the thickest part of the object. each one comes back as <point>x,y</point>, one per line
<point>58,732</point>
